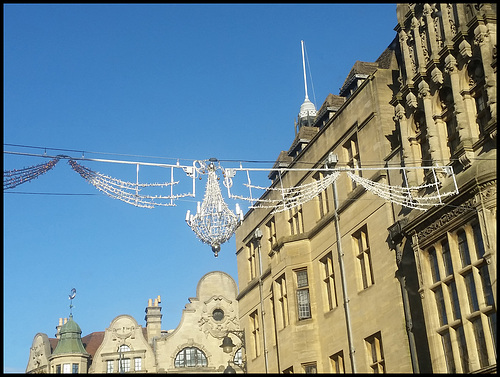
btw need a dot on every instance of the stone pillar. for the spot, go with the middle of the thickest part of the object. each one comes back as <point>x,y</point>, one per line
<point>407,152</point>
<point>482,39</point>
<point>433,131</point>
<point>465,153</point>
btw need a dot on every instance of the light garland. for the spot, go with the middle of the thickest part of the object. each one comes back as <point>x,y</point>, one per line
<point>13,178</point>
<point>127,192</point>
<point>292,196</point>
<point>214,223</point>
<point>402,195</point>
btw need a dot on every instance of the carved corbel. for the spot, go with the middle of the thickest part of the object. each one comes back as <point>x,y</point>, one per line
<point>423,89</point>
<point>466,158</point>
<point>465,49</point>
<point>411,100</point>
<point>480,34</point>
<point>450,64</point>
<point>399,113</point>
<point>437,76</point>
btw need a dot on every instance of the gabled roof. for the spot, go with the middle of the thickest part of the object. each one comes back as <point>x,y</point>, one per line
<point>92,341</point>
<point>359,68</point>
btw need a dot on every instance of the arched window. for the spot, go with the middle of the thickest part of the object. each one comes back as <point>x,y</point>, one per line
<point>448,116</point>
<point>123,348</point>
<point>477,86</point>
<point>190,357</point>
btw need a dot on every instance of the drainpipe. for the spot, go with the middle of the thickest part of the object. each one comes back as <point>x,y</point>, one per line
<point>395,234</point>
<point>257,236</point>
<point>276,336</point>
<point>332,160</point>
<point>409,321</point>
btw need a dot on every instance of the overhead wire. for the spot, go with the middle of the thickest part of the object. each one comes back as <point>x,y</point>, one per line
<point>365,163</point>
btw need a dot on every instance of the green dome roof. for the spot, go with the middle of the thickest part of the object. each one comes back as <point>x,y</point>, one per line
<point>70,340</point>
<point>71,327</point>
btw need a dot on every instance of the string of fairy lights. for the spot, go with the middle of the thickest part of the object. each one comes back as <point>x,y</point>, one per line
<point>290,197</point>
<point>13,178</point>
<point>213,222</point>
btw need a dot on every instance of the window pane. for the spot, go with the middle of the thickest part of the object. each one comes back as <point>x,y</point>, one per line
<point>303,303</point>
<point>471,292</point>
<point>452,288</point>
<point>448,266</point>
<point>478,240</point>
<point>462,349</point>
<point>480,341</point>
<point>302,279</point>
<point>443,320</point>
<point>463,248</point>
<point>434,265</point>
<point>492,321</point>
<point>138,363</point>
<point>448,353</point>
<point>486,283</point>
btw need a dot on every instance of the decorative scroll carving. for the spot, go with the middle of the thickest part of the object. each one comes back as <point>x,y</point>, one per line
<point>425,49</point>
<point>217,328</point>
<point>437,26</point>
<point>453,27</point>
<point>482,193</point>
<point>123,332</point>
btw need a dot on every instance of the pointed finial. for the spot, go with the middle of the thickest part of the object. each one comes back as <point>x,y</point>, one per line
<point>304,68</point>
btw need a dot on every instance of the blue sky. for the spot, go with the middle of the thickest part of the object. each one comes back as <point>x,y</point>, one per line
<point>156,83</point>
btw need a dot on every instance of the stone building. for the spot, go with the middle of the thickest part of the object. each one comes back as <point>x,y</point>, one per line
<point>351,282</point>
<point>125,346</point>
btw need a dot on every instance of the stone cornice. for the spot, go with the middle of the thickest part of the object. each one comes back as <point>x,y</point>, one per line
<point>478,197</point>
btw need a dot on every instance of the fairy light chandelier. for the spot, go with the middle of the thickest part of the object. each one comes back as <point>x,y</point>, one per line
<point>214,223</point>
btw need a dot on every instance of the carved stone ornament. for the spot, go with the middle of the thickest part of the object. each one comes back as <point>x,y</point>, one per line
<point>438,225</point>
<point>450,64</point>
<point>481,33</point>
<point>218,327</point>
<point>123,332</point>
<point>411,100</point>
<point>423,89</point>
<point>483,193</point>
<point>466,159</point>
<point>399,113</point>
<point>437,76</point>
<point>465,49</point>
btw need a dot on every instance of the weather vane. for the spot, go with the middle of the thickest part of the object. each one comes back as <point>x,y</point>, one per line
<point>71,297</point>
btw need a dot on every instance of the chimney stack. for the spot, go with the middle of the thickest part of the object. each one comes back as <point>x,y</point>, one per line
<point>58,328</point>
<point>153,319</point>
